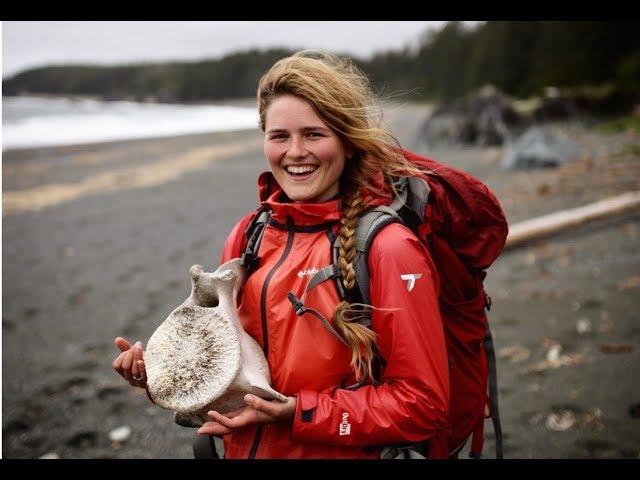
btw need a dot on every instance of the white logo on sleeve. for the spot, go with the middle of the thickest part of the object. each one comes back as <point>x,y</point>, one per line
<point>345,426</point>
<point>411,278</point>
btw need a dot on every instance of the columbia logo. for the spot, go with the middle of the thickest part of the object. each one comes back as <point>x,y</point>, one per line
<point>345,426</point>
<point>307,272</point>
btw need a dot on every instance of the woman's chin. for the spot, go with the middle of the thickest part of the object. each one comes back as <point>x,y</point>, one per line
<point>307,194</point>
<point>301,198</point>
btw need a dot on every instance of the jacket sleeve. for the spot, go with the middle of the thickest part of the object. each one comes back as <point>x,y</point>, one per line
<point>411,403</point>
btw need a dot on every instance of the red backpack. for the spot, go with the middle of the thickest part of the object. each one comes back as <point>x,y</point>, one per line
<point>464,229</point>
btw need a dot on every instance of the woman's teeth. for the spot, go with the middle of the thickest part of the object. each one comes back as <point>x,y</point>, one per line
<point>300,170</point>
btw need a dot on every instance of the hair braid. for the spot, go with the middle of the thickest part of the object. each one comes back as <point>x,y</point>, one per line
<point>347,239</point>
<point>360,339</point>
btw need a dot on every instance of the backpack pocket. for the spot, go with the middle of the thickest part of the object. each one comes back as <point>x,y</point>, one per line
<point>465,326</point>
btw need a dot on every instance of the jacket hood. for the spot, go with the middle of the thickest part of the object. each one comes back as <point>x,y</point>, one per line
<point>307,214</point>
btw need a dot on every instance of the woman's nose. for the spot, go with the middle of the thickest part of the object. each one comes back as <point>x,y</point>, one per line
<point>297,147</point>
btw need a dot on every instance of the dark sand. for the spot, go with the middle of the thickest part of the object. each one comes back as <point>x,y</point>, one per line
<point>108,254</point>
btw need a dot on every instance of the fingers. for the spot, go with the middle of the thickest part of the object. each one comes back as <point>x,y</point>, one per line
<point>135,369</point>
<point>256,410</point>
<point>265,406</point>
<point>143,372</point>
<point>245,418</point>
<point>130,363</point>
<point>126,365</point>
<point>117,363</point>
<point>272,410</point>
<point>122,344</point>
<point>234,413</point>
<point>137,355</point>
<point>213,428</point>
<point>138,371</point>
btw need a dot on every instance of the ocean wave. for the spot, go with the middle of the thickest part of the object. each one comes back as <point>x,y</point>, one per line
<point>40,122</point>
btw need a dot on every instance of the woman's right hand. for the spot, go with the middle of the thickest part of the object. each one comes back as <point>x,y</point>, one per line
<point>130,363</point>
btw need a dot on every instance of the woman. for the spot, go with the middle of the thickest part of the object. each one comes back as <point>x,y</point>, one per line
<point>330,162</point>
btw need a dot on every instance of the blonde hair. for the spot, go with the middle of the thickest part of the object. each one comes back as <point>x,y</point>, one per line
<point>342,96</point>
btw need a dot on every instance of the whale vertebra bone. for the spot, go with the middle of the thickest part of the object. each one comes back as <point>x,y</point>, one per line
<point>200,358</point>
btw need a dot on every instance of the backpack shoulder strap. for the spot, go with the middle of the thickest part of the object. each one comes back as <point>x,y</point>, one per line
<point>411,201</point>
<point>254,232</point>
<point>368,227</point>
<point>407,208</point>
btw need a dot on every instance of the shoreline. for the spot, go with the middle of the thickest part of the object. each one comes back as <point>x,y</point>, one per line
<point>35,150</point>
<point>59,121</point>
<point>79,97</point>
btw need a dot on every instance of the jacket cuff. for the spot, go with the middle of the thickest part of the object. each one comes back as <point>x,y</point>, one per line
<point>304,417</point>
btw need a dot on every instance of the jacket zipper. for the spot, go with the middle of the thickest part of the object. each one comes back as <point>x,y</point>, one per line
<point>263,318</point>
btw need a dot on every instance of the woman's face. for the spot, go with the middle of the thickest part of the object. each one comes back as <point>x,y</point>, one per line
<point>305,155</point>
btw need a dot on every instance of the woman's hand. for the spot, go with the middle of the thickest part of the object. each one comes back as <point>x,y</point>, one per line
<point>130,363</point>
<point>256,411</point>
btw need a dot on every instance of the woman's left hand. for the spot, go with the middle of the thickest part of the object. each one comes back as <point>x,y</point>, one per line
<point>256,411</point>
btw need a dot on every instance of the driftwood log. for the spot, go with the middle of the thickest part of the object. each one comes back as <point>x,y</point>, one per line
<point>539,227</point>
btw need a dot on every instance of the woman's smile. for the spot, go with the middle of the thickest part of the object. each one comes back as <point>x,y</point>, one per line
<point>301,173</point>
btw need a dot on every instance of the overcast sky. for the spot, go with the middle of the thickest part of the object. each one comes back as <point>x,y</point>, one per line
<point>32,44</point>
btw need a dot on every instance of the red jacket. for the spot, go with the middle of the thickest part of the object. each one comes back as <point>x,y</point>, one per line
<point>306,361</point>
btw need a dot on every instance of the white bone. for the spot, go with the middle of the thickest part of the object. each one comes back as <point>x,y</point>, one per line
<point>200,358</point>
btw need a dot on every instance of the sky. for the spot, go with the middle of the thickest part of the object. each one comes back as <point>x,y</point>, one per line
<point>32,44</point>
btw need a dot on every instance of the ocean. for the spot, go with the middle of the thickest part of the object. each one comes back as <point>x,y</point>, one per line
<point>31,121</point>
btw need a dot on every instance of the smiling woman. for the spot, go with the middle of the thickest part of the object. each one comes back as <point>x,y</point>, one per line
<point>352,387</point>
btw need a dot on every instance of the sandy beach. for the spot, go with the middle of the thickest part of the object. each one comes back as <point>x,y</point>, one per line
<point>98,239</point>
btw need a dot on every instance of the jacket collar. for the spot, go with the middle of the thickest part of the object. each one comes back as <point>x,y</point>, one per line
<point>305,214</point>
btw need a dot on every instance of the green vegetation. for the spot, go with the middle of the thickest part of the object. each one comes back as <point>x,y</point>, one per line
<point>597,63</point>
<point>630,151</point>
<point>621,124</point>
<point>633,149</point>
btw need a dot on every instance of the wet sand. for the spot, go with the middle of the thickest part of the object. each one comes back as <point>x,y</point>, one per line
<point>97,241</point>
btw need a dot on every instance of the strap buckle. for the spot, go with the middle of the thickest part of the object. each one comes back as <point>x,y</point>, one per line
<point>298,306</point>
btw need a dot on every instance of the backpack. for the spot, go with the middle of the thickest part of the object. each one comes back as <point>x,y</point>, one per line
<point>461,223</point>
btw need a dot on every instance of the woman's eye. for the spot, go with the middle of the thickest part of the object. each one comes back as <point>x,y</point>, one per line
<point>282,136</point>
